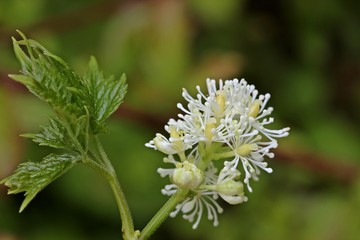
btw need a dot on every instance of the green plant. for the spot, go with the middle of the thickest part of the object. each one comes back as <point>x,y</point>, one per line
<point>225,128</point>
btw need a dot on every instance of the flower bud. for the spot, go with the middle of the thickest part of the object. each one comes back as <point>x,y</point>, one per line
<point>231,191</point>
<point>230,187</point>
<point>187,176</point>
<point>164,145</point>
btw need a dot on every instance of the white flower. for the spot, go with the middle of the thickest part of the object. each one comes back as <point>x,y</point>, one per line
<point>175,144</point>
<point>247,146</point>
<point>229,123</point>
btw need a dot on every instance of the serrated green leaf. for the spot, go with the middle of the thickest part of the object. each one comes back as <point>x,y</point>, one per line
<point>32,177</point>
<point>104,94</point>
<point>48,76</point>
<point>68,133</point>
<point>52,135</point>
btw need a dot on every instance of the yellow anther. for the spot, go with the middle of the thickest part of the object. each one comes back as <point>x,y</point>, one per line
<point>177,143</point>
<point>254,109</point>
<point>209,126</point>
<point>246,149</point>
<point>220,100</point>
<point>175,134</point>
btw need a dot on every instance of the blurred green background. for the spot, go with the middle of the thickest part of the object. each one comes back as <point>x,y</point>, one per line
<point>305,53</point>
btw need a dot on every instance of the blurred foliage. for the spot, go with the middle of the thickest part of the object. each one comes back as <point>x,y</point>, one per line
<point>305,53</point>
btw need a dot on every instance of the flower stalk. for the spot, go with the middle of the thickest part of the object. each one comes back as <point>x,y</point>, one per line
<point>163,213</point>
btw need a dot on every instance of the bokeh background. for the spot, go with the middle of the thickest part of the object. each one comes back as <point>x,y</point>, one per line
<point>305,53</point>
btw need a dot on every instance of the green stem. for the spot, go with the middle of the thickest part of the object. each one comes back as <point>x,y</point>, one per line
<point>163,213</point>
<point>108,171</point>
<point>103,156</point>
<point>125,214</point>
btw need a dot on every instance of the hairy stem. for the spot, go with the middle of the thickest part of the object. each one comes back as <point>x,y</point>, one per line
<point>127,223</point>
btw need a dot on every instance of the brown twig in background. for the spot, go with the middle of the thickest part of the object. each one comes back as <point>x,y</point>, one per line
<point>148,120</point>
<point>344,172</point>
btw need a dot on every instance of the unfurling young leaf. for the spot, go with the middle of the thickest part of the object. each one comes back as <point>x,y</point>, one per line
<point>31,177</point>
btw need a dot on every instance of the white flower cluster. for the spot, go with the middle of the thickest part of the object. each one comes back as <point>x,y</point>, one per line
<point>225,127</point>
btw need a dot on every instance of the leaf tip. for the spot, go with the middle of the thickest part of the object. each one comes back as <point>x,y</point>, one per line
<point>27,135</point>
<point>25,203</point>
<point>93,63</point>
<point>27,200</point>
<point>21,34</point>
<point>14,41</point>
<point>123,81</point>
<point>22,208</point>
<point>27,81</point>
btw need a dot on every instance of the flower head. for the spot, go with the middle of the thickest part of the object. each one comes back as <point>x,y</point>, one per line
<point>228,127</point>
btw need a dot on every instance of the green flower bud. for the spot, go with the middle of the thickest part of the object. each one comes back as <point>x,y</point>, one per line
<point>230,187</point>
